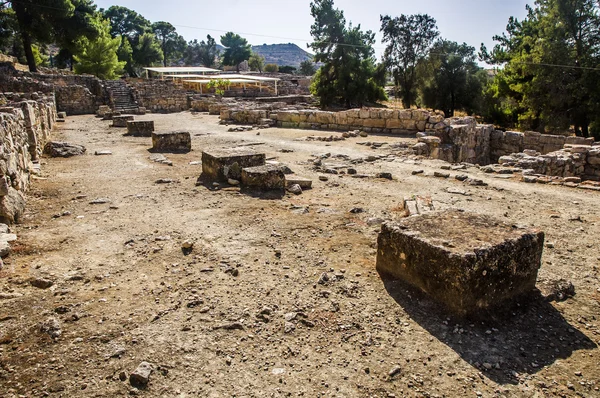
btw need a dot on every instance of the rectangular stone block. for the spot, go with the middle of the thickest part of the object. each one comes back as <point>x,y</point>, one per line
<point>292,179</point>
<point>175,141</point>
<point>267,177</point>
<point>140,128</point>
<point>467,262</point>
<point>219,165</point>
<point>121,121</point>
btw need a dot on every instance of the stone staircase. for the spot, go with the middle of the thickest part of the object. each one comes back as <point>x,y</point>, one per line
<point>122,96</point>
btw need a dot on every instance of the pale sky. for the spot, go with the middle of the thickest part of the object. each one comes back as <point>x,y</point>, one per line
<point>288,21</point>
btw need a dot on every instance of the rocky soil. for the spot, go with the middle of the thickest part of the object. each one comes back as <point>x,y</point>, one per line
<point>129,279</point>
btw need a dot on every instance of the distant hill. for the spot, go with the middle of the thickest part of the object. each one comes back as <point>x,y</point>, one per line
<point>282,54</point>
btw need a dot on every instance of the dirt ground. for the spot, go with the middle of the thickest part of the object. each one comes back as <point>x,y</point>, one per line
<point>243,314</point>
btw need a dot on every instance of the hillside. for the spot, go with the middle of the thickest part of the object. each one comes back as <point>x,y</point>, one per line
<point>282,54</point>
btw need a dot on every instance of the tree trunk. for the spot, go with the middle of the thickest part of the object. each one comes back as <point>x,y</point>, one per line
<point>28,51</point>
<point>19,11</point>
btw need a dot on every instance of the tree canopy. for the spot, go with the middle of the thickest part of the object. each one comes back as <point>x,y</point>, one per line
<point>408,39</point>
<point>550,80</point>
<point>307,68</point>
<point>451,78</point>
<point>99,56</point>
<point>349,75</point>
<point>172,44</point>
<point>237,50</point>
<point>53,21</point>
<point>256,62</point>
<point>203,53</point>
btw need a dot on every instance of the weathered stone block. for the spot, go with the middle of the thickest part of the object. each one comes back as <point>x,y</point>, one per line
<point>176,141</point>
<point>219,165</point>
<point>292,179</point>
<point>267,177</point>
<point>58,149</point>
<point>140,128</point>
<point>121,121</point>
<point>467,262</point>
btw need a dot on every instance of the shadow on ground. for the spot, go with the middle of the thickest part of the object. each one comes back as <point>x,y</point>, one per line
<point>521,339</point>
<point>209,184</point>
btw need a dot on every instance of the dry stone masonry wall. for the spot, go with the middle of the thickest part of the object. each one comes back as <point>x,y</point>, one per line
<point>75,94</point>
<point>25,124</point>
<point>160,96</point>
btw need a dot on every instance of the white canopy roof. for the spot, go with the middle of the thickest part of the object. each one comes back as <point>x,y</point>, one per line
<point>205,81</point>
<point>182,69</point>
<point>250,77</point>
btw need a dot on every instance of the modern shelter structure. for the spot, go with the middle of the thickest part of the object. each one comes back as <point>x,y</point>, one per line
<point>181,70</point>
<point>199,76</point>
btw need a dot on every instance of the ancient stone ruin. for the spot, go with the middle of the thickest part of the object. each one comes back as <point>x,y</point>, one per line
<point>175,141</point>
<point>467,262</point>
<point>139,128</point>
<point>25,124</point>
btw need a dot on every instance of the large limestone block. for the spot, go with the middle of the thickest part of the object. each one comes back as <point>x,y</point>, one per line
<point>465,261</point>
<point>374,123</point>
<point>267,177</point>
<point>221,164</point>
<point>140,128</point>
<point>12,206</point>
<point>175,141</point>
<point>58,149</point>
<point>121,121</point>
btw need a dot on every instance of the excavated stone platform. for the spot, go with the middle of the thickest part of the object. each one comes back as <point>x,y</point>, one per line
<point>140,128</point>
<point>465,261</point>
<point>267,177</point>
<point>223,164</point>
<point>175,141</point>
<point>121,121</point>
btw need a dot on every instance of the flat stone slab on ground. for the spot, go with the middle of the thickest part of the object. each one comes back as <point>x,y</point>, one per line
<point>466,261</point>
<point>267,177</point>
<point>121,121</point>
<point>221,164</point>
<point>140,128</point>
<point>292,179</point>
<point>176,141</point>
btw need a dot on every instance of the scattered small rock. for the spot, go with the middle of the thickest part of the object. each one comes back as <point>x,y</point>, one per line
<point>295,189</point>
<point>140,377</point>
<point>41,283</point>
<point>387,176</point>
<point>51,327</point>
<point>100,201</point>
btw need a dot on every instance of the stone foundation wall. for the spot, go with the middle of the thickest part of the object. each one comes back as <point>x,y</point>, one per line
<point>572,161</point>
<point>75,94</point>
<point>25,124</point>
<point>368,119</point>
<point>160,95</point>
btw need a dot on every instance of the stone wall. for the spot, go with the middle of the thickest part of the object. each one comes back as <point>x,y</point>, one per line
<point>75,94</point>
<point>572,161</point>
<point>374,120</point>
<point>553,155</point>
<point>25,124</point>
<point>159,95</point>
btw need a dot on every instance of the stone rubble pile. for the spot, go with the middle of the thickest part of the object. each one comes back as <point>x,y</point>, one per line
<point>572,161</point>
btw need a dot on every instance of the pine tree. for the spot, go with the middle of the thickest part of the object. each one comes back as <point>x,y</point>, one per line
<point>99,57</point>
